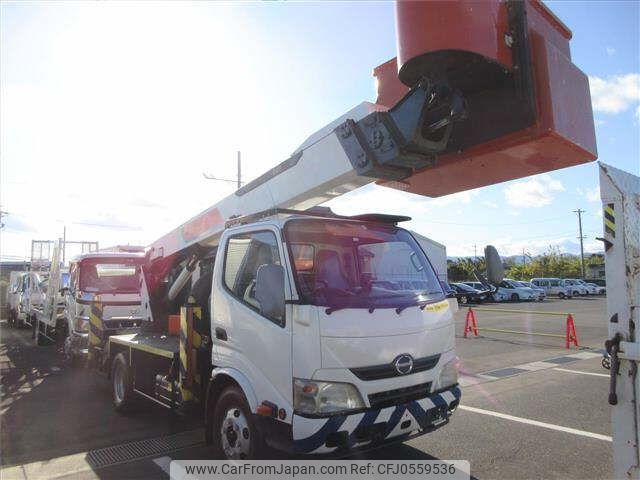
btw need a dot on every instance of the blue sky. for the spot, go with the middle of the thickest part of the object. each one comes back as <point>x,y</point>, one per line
<point>111,112</point>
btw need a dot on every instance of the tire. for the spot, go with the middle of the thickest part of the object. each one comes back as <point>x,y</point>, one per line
<point>561,295</point>
<point>515,297</point>
<point>121,384</point>
<point>241,439</point>
<point>463,300</point>
<point>576,293</point>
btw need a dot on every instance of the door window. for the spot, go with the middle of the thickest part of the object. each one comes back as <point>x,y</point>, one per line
<point>244,255</point>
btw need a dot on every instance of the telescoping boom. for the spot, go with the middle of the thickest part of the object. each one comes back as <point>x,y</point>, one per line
<point>317,333</point>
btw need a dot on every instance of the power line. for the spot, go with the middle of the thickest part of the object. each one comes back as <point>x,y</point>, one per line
<point>238,181</point>
<point>497,224</point>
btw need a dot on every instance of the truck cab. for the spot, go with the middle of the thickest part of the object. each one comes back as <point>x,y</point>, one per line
<point>340,324</point>
<point>110,279</point>
<point>31,297</point>
<point>14,292</point>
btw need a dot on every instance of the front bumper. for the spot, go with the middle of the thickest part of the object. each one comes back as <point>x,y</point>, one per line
<point>371,427</point>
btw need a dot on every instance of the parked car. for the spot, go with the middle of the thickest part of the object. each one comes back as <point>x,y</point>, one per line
<point>552,287</point>
<point>509,290</point>
<point>599,290</point>
<point>573,286</point>
<point>540,291</point>
<point>591,289</point>
<point>466,294</point>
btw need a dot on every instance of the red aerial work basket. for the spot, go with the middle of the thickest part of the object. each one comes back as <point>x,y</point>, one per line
<point>505,66</point>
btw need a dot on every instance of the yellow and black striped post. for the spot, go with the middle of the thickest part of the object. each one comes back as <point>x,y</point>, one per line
<point>609,221</point>
<point>190,341</point>
<point>96,329</point>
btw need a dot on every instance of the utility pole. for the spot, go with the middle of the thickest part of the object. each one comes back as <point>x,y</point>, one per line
<point>524,257</point>
<point>238,181</point>
<point>581,237</point>
<point>475,252</point>
<point>239,171</point>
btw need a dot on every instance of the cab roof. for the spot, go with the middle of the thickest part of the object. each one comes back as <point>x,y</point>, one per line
<point>108,255</point>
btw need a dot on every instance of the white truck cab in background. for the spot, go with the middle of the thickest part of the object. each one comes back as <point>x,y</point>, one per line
<point>14,293</point>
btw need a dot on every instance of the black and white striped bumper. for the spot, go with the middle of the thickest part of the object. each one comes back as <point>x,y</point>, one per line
<point>325,435</point>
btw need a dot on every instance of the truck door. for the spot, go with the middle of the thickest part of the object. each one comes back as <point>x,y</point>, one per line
<point>244,338</point>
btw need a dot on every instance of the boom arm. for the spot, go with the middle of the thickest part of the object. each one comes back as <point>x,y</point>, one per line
<point>367,144</point>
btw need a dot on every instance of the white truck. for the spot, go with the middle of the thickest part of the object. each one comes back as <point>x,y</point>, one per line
<point>300,329</point>
<point>14,294</point>
<point>111,278</point>
<point>321,334</point>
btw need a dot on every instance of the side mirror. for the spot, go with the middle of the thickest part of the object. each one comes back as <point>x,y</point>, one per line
<point>270,291</point>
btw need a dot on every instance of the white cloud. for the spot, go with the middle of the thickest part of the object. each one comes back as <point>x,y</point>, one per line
<point>615,93</point>
<point>535,192</point>
<point>591,194</point>
<point>490,204</point>
<point>611,51</point>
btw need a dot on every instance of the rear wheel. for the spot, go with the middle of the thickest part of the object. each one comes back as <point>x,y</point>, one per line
<point>561,295</point>
<point>463,300</point>
<point>515,297</point>
<point>235,435</point>
<point>122,385</point>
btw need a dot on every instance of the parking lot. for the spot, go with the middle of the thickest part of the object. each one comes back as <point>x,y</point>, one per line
<point>530,408</point>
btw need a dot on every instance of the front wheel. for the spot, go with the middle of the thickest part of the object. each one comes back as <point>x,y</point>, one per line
<point>515,297</point>
<point>463,300</point>
<point>561,295</point>
<point>122,384</point>
<point>235,435</point>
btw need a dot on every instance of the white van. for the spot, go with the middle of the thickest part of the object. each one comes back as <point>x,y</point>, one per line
<point>572,285</point>
<point>553,286</point>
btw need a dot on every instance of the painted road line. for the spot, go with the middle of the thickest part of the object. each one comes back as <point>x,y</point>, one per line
<point>535,423</point>
<point>533,366</point>
<point>164,463</point>
<point>583,373</point>
<point>585,355</point>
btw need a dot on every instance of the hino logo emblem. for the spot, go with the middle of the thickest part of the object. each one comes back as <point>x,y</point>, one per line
<point>403,364</point>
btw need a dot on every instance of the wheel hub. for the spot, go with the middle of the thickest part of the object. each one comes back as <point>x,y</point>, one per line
<point>235,435</point>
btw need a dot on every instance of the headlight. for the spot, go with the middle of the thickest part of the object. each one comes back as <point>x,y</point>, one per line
<point>324,397</point>
<point>448,375</point>
<point>80,324</point>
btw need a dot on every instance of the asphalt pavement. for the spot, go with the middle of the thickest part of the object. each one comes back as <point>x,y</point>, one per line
<point>530,408</point>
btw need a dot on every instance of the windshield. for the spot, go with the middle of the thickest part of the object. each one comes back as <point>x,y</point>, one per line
<point>359,265</point>
<point>465,287</point>
<point>117,276</point>
<point>64,279</point>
